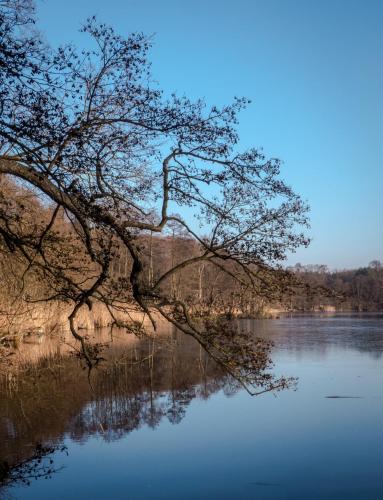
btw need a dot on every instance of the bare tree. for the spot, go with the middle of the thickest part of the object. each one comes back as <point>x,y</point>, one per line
<point>97,139</point>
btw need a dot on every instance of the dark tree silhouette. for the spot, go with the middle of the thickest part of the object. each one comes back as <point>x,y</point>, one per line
<point>96,138</point>
<point>39,465</point>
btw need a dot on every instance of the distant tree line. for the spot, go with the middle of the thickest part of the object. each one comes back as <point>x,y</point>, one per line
<point>353,290</point>
<point>208,287</point>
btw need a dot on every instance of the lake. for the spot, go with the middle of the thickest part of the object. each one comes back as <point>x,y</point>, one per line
<point>161,420</point>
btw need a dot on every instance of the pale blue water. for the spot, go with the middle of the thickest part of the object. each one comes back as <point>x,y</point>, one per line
<point>295,445</point>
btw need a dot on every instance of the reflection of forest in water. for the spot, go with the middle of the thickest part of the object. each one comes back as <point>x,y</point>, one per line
<point>141,382</point>
<point>137,385</point>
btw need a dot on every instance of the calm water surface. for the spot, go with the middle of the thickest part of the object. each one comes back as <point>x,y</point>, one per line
<point>174,427</point>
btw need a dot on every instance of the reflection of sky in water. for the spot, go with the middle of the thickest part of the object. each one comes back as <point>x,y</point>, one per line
<point>321,333</point>
<point>297,445</point>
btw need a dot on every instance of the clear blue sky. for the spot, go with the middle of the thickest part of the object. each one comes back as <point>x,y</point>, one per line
<point>314,71</point>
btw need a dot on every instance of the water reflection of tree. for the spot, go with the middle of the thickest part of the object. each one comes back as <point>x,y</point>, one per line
<point>54,398</point>
<point>130,395</point>
<point>40,465</point>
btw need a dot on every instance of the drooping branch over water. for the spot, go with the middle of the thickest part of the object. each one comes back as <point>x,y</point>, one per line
<point>115,162</point>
